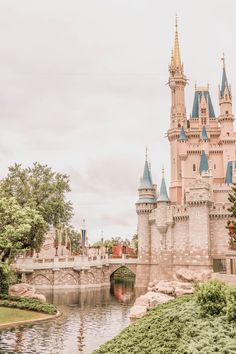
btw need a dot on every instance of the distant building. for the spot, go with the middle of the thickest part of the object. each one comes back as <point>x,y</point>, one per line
<point>187,228</point>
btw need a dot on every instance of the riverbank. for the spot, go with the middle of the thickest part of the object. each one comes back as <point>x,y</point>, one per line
<point>175,327</point>
<point>16,317</point>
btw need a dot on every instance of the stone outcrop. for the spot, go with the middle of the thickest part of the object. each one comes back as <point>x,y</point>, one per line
<point>147,301</point>
<point>25,290</point>
<point>164,290</point>
<point>187,275</point>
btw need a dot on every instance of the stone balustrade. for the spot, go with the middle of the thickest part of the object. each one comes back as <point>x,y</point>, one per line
<point>76,262</point>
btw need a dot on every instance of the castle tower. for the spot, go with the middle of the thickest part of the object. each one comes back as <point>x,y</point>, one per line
<point>177,83</point>
<point>145,204</point>
<point>226,119</point>
<point>162,204</point>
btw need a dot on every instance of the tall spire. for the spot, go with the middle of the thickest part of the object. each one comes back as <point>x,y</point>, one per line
<point>163,197</point>
<point>204,166</point>
<point>176,54</point>
<point>146,180</point>
<point>224,82</point>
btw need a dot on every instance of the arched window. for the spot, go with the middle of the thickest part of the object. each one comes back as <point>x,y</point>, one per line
<point>194,167</point>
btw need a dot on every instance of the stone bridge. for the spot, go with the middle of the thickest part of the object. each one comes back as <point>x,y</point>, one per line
<point>77,272</point>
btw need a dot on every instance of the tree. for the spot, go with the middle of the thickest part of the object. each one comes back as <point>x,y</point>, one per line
<point>134,243</point>
<point>75,239</point>
<point>17,225</point>
<point>232,209</point>
<point>41,190</point>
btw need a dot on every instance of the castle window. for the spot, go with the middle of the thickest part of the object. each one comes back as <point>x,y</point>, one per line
<point>203,110</point>
<point>194,167</point>
<point>214,166</point>
<point>227,112</point>
<point>227,133</point>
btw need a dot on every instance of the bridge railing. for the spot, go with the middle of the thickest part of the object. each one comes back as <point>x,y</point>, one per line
<point>28,263</point>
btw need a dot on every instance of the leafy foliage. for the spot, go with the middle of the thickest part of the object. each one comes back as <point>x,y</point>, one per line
<point>7,276</point>
<point>211,297</point>
<point>175,327</point>
<point>21,228</point>
<point>40,188</point>
<point>26,303</point>
<point>231,303</point>
<point>31,199</point>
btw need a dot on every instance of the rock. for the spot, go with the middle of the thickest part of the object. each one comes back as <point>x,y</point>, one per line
<point>25,290</point>
<point>182,291</point>
<point>191,276</point>
<point>137,311</point>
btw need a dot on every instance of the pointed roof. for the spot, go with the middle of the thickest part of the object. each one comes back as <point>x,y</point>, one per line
<point>146,180</point>
<point>224,81</point>
<point>204,133</point>
<point>176,52</point>
<point>229,173</point>
<point>199,94</point>
<point>182,135</point>
<point>203,163</point>
<point>163,196</point>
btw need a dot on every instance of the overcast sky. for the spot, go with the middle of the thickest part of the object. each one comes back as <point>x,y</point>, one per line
<point>83,89</point>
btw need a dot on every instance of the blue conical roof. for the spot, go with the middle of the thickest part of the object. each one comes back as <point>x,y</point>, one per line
<point>224,82</point>
<point>229,173</point>
<point>197,97</point>
<point>204,134</point>
<point>163,196</point>
<point>203,163</point>
<point>146,181</point>
<point>182,135</point>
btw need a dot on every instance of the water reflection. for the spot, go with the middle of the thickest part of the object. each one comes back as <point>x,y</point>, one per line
<point>89,319</point>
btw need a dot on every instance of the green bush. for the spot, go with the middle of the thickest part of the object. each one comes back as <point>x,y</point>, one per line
<point>231,303</point>
<point>27,304</point>
<point>211,297</point>
<point>7,277</point>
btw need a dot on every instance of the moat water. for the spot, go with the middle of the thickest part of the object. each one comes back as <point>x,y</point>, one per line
<point>90,318</point>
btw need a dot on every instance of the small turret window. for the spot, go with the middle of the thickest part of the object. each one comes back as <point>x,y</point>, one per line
<point>227,112</point>
<point>203,110</point>
<point>194,167</point>
<point>214,166</point>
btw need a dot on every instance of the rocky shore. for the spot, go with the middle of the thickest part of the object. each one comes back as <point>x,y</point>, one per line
<point>164,291</point>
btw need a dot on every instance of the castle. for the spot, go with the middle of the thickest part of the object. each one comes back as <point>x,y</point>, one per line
<point>187,228</point>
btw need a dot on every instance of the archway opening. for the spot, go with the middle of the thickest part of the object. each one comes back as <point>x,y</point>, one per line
<point>122,284</point>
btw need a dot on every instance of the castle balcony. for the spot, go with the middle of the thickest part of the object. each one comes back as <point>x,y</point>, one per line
<point>220,211</point>
<point>180,212</point>
<point>215,149</point>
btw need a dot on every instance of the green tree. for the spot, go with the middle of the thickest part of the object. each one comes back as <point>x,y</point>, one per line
<point>75,239</point>
<point>232,209</point>
<point>17,225</point>
<point>40,189</point>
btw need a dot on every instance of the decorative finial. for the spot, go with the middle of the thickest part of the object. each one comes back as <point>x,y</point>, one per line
<point>163,171</point>
<point>223,59</point>
<point>146,153</point>
<point>195,85</point>
<point>176,22</point>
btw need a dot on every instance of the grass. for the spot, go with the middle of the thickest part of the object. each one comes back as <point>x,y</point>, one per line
<point>175,328</point>
<point>8,315</point>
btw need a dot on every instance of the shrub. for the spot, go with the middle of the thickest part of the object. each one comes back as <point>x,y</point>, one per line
<point>211,297</point>
<point>27,304</point>
<point>231,303</point>
<point>7,277</point>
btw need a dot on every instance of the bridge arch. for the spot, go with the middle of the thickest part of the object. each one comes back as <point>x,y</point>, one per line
<point>124,271</point>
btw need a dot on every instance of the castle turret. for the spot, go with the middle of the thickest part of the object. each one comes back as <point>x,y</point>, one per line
<point>176,133</point>
<point>162,205</point>
<point>144,206</point>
